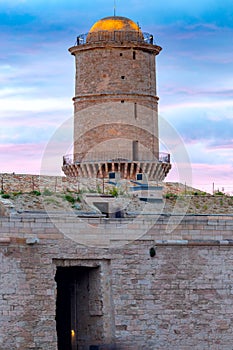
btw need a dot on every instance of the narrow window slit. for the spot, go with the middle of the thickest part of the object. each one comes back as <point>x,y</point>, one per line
<point>135,111</point>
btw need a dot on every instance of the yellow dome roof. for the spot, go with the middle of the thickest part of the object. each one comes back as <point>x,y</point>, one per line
<point>113,24</point>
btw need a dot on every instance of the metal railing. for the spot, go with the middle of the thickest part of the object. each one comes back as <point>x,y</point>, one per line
<point>121,157</point>
<point>114,36</point>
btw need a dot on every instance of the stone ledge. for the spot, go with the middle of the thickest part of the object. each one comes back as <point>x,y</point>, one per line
<point>5,240</point>
<point>194,242</point>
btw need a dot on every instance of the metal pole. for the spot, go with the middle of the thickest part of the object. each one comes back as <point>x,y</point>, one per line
<point>114,8</point>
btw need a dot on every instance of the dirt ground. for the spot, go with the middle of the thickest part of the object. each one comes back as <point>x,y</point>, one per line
<point>177,198</point>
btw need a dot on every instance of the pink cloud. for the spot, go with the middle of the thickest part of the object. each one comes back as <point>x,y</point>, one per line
<point>207,176</point>
<point>24,158</point>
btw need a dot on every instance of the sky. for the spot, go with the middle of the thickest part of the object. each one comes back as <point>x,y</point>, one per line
<point>194,79</point>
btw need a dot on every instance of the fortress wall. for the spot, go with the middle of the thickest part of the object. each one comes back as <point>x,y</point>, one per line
<point>179,299</point>
<point>28,183</point>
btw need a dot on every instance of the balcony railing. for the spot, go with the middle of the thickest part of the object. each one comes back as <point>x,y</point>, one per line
<point>115,36</point>
<point>109,157</point>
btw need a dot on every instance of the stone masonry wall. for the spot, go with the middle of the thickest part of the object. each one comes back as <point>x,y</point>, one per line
<point>94,141</point>
<point>179,299</point>
<point>28,183</point>
<point>101,70</point>
<point>121,80</point>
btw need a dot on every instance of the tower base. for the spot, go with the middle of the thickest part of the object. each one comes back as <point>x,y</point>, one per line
<point>156,171</point>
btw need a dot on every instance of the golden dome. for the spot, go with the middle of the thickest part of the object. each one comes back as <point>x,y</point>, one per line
<point>114,29</point>
<point>115,23</point>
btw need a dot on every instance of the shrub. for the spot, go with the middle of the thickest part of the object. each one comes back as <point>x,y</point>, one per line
<point>70,198</point>
<point>171,196</point>
<point>15,194</point>
<point>36,193</point>
<point>98,189</point>
<point>202,193</point>
<point>198,193</point>
<point>6,196</point>
<point>219,193</point>
<point>114,192</point>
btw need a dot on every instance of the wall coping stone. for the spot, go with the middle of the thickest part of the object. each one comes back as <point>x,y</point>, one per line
<point>194,242</point>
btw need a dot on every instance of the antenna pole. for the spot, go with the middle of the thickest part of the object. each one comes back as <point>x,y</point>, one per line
<point>114,8</point>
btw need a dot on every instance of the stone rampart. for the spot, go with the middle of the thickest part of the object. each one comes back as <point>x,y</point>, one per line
<point>27,183</point>
<point>180,297</point>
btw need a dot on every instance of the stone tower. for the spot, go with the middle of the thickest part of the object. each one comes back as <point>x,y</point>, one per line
<point>116,104</point>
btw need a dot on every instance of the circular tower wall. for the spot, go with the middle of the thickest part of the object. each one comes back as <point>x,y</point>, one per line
<point>115,93</point>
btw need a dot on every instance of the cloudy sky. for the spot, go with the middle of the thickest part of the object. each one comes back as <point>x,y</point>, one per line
<point>195,78</point>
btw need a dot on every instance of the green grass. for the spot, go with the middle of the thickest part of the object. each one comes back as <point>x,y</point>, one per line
<point>47,192</point>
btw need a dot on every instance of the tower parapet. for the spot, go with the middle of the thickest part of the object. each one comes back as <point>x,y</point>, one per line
<point>114,36</point>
